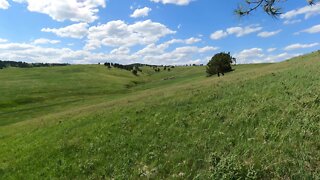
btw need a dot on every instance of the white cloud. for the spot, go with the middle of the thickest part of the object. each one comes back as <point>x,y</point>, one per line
<point>36,53</point>
<point>307,11</point>
<point>121,51</point>
<point>4,4</point>
<point>151,54</point>
<point>45,41</point>
<point>300,46</point>
<point>218,35</point>
<point>278,57</point>
<point>177,2</point>
<point>271,49</point>
<point>256,55</point>
<point>287,22</point>
<point>208,49</point>
<point>143,12</point>
<point>33,53</point>
<point>153,49</point>
<point>78,31</point>
<point>237,31</point>
<point>118,33</point>
<point>3,40</point>
<point>266,34</point>
<point>157,54</point>
<point>249,55</point>
<point>61,10</point>
<point>313,29</point>
<point>241,31</point>
<point>15,46</point>
<point>192,40</point>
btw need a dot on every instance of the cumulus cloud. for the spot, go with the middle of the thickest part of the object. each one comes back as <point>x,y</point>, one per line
<point>143,12</point>
<point>241,31</point>
<point>61,10</point>
<point>4,4</point>
<point>266,34</point>
<point>252,55</point>
<point>45,41</point>
<point>300,46</point>
<point>34,53</point>
<point>154,50</point>
<point>218,35</point>
<point>151,54</point>
<point>113,33</point>
<point>307,11</point>
<point>177,2</point>
<point>121,51</point>
<point>237,31</point>
<point>3,40</point>
<point>192,40</point>
<point>77,31</point>
<point>257,55</point>
<point>154,54</point>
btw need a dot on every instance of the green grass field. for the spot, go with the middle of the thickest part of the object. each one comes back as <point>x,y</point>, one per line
<point>89,122</point>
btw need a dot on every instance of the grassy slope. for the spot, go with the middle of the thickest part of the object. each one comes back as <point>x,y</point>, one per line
<point>30,93</point>
<point>261,121</point>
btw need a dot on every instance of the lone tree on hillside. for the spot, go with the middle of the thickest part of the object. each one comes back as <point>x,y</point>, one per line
<point>220,63</point>
<point>135,72</point>
<point>271,7</point>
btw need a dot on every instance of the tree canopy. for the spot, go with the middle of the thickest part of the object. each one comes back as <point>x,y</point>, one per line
<point>271,7</point>
<point>220,63</point>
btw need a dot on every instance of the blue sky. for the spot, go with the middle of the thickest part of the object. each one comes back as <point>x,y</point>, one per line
<point>152,31</point>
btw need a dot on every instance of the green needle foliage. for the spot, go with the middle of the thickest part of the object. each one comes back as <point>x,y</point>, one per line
<point>271,7</point>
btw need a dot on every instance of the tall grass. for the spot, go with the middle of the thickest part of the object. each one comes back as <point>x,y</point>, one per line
<point>258,122</point>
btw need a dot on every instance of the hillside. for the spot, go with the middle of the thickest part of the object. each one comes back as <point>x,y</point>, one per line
<point>79,122</point>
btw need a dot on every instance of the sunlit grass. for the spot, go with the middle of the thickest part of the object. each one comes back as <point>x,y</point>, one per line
<point>260,121</point>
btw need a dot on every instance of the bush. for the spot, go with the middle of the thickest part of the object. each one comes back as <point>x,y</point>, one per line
<point>220,63</point>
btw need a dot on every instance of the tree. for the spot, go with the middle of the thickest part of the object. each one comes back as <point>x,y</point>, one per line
<point>135,72</point>
<point>220,63</point>
<point>271,7</point>
<point>107,65</point>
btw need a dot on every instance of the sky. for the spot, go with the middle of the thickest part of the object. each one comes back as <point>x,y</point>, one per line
<point>167,32</point>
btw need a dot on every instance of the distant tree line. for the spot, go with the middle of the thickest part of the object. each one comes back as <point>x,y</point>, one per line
<point>135,68</point>
<point>165,68</point>
<point>20,64</point>
<point>194,65</point>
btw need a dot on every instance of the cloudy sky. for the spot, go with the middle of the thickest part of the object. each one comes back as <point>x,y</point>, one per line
<point>152,31</point>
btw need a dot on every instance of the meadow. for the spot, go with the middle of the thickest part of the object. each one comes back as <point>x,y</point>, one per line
<point>260,121</point>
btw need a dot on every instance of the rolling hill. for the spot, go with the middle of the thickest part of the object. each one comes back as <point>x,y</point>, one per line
<point>86,121</point>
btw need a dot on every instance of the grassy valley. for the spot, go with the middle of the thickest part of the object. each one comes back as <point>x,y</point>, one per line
<point>89,122</point>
